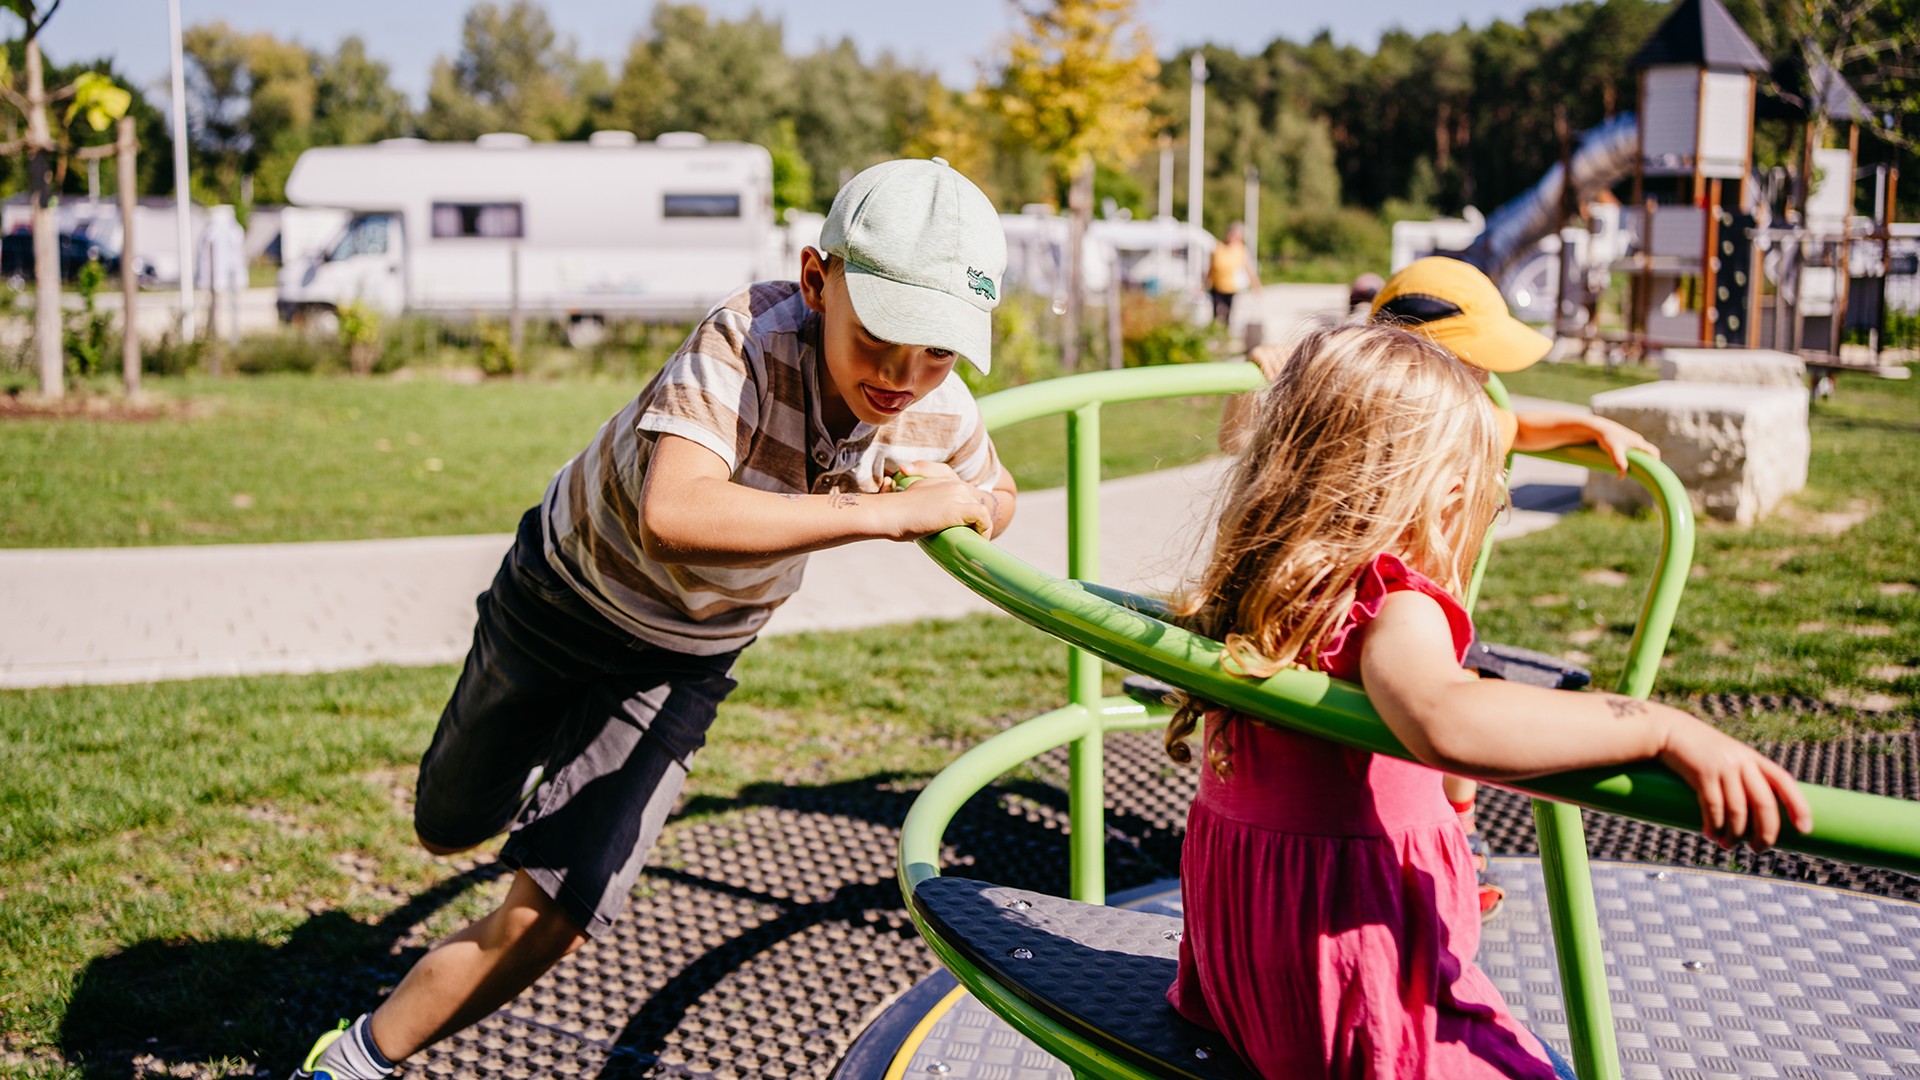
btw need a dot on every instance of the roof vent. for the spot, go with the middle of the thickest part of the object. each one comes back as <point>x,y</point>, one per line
<point>503,140</point>
<point>613,138</point>
<point>672,140</point>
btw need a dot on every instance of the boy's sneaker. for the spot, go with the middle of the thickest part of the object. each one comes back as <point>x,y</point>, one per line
<point>312,1060</point>
<point>1492,896</point>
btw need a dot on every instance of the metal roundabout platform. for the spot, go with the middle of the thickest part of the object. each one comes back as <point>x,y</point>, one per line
<point>772,941</point>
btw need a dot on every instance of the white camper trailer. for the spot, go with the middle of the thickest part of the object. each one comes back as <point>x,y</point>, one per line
<point>584,232</point>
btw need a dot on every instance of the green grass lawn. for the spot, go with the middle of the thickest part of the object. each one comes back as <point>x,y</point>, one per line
<point>1818,605</point>
<point>298,457</point>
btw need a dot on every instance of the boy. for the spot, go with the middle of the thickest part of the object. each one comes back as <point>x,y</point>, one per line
<point>1453,304</point>
<point>604,646</point>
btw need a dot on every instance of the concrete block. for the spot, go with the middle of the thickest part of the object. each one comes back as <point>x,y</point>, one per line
<point>1738,450</point>
<point>1745,367</point>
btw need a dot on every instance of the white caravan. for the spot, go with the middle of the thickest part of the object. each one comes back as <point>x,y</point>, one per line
<point>582,232</point>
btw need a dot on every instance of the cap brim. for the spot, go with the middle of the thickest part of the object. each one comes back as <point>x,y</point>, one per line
<point>911,315</point>
<point>1501,344</point>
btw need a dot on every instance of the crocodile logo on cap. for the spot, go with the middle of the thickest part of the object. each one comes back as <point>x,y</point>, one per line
<point>981,283</point>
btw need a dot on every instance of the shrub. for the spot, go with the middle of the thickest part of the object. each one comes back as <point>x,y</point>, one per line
<point>88,333</point>
<point>1154,330</point>
<point>283,351</point>
<point>359,332</point>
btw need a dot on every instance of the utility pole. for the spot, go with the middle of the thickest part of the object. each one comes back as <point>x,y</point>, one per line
<point>1196,153</point>
<point>1252,216</point>
<point>1166,176</point>
<point>183,215</point>
<point>125,146</point>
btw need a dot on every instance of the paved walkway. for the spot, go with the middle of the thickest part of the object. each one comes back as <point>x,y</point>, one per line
<point>117,615</point>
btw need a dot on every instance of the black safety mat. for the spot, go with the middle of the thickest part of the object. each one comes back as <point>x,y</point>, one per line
<point>767,933</point>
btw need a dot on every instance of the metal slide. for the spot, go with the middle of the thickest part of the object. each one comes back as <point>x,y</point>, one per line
<point>1604,156</point>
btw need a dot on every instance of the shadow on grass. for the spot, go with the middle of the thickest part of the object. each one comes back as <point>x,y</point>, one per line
<point>236,1006</point>
<point>163,1003</point>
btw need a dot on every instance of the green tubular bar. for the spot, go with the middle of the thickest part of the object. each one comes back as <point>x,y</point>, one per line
<point>1123,629</point>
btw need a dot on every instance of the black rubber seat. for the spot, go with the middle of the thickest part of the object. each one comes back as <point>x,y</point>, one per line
<point>1100,972</point>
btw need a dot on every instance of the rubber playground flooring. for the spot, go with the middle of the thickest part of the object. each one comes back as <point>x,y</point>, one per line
<point>763,940</point>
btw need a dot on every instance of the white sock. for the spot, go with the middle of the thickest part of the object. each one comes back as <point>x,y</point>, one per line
<point>353,1056</point>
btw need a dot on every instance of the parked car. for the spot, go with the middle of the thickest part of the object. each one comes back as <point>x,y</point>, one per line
<point>76,250</point>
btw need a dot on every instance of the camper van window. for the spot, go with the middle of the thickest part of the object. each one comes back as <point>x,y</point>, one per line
<point>365,236</point>
<point>493,220</point>
<point>702,206</point>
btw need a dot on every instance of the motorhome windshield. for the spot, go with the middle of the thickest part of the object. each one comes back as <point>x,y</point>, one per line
<point>364,236</point>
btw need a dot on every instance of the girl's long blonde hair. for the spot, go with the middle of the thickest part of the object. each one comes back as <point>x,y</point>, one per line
<point>1370,440</point>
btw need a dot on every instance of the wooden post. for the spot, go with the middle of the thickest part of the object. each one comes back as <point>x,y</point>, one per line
<point>48,339</point>
<point>516,322</point>
<point>125,146</point>
<point>1116,345</point>
<point>1079,209</point>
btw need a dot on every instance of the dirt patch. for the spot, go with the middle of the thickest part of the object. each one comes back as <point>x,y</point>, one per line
<point>1585,637</point>
<point>1866,701</point>
<point>1550,600</point>
<point>1765,588</point>
<point>1898,588</point>
<point>97,407</point>
<point>1831,522</point>
<point>1891,672</point>
<point>1611,578</point>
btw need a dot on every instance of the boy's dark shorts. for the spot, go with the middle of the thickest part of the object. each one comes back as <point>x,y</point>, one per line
<point>614,721</point>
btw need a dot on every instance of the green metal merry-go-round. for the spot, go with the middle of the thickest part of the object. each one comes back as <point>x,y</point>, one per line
<point>783,937</point>
<point>1631,968</point>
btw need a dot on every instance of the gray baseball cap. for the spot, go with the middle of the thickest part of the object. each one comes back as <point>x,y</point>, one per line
<point>924,255</point>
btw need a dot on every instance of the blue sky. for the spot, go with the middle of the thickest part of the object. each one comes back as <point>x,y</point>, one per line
<point>953,38</point>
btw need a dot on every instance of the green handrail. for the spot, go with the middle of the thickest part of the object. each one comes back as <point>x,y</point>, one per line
<point>1115,626</point>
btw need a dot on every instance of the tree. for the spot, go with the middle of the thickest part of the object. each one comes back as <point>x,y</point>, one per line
<point>513,73</point>
<point>251,100</point>
<point>1076,83</point>
<point>91,97</point>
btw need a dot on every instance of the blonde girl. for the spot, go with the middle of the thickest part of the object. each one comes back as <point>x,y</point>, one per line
<point>1331,913</point>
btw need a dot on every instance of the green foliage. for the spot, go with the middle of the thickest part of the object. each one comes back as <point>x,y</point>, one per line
<point>97,101</point>
<point>172,356</point>
<point>281,353</point>
<point>513,73</point>
<point>497,354</point>
<point>792,176</point>
<point>1074,84</point>
<point>88,333</point>
<point>359,333</point>
<point>1155,330</point>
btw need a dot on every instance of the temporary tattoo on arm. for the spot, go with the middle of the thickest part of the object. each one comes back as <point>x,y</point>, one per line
<point>842,500</point>
<point>1624,707</point>
<point>793,496</point>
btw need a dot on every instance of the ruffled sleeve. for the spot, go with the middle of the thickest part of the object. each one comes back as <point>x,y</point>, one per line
<point>1340,652</point>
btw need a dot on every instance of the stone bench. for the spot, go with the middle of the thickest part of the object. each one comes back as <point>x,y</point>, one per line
<point>1738,450</point>
<point>1743,367</point>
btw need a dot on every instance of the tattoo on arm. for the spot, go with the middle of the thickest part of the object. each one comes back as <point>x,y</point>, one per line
<point>842,500</point>
<point>1624,707</point>
<point>793,496</point>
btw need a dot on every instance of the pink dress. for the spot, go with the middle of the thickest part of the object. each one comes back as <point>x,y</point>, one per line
<point>1331,919</point>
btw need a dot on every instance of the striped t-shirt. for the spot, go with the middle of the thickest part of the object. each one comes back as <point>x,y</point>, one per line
<point>747,385</point>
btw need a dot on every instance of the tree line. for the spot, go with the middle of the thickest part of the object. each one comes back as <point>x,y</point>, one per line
<point>1416,124</point>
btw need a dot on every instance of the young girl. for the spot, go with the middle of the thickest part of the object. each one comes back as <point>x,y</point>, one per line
<point>1331,920</point>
